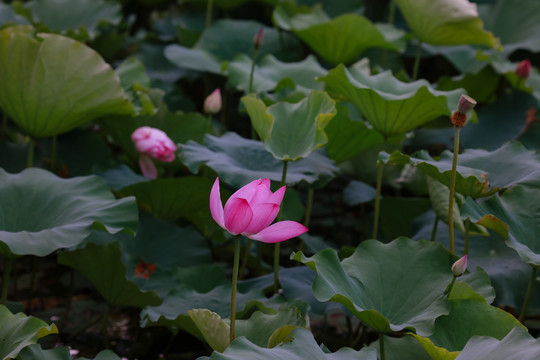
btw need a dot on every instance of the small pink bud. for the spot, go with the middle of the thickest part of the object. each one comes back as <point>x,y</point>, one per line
<point>466,104</point>
<point>523,69</point>
<point>258,39</point>
<point>212,103</point>
<point>460,266</point>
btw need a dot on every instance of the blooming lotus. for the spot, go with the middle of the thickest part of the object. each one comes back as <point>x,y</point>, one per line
<point>251,210</point>
<point>152,143</point>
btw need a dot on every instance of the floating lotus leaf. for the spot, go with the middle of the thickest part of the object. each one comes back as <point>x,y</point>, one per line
<point>269,71</point>
<point>516,26</point>
<point>34,352</point>
<point>389,287</point>
<point>441,22</point>
<point>109,277</point>
<point>338,40</point>
<point>391,106</point>
<point>69,84</point>
<point>61,15</point>
<point>18,331</point>
<point>480,173</point>
<point>514,216</point>
<point>518,344</point>
<point>238,161</point>
<point>41,213</point>
<point>302,346</point>
<point>292,131</point>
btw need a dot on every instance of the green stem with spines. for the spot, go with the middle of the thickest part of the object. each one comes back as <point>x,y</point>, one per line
<point>416,65</point>
<point>453,190</point>
<point>527,295</point>
<point>277,245</point>
<point>380,168</point>
<point>209,6</point>
<point>381,346</point>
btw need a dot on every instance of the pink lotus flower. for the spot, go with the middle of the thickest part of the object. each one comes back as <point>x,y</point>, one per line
<point>212,103</point>
<point>523,69</point>
<point>152,143</point>
<point>251,210</point>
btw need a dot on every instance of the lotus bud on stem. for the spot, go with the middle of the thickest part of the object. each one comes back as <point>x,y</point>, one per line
<point>458,269</point>
<point>459,117</point>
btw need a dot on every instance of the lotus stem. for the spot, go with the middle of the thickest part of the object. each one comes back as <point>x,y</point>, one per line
<point>209,13</point>
<point>307,215</point>
<point>452,190</point>
<point>391,12</point>
<point>53,153</point>
<point>381,346</point>
<point>244,259</point>
<point>8,265</point>
<point>527,295</point>
<point>434,229</point>
<point>252,72</point>
<point>380,168</point>
<point>234,286</point>
<point>417,61</point>
<point>104,328</point>
<point>277,245</point>
<point>450,286</point>
<point>467,234</point>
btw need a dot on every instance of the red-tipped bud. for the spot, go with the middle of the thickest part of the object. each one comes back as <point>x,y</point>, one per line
<point>212,103</point>
<point>460,266</point>
<point>523,69</point>
<point>258,39</point>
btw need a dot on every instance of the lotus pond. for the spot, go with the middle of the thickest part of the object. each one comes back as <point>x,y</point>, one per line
<point>270,179</point>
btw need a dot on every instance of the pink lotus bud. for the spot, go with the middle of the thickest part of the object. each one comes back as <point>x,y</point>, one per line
<point>152,143</point>
<point>460,266</point>
<point>212,103</point>
<point>258,39</point>
<point>523,69</point>
<point>251,210</point>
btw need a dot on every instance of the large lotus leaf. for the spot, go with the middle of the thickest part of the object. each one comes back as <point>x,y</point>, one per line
<point>41,213</point>
<point>517,345</point>
<point>480,173</point>
<point>338,40</point>
<point>514,215</point>
<point>60,15</point>
<point>193,59</point>
<point>238,161</point>
<point>389,287</point>
<point>301,347</point>
<point>504,120</point>
<point>347,137</point>
<point>391,106</point>
<point>227,4</point>
<point>292,131</point>
<point>34,352</point>
<point>172,198</point>
<point>18,331</point>
<point>439,196</point>
<point>50,84</point>
<point>401,348</point>
<point>109,276</point>
<point>441,22</point>
<point>480,85</point>
<point>269,71</point>
<point>516,26</point>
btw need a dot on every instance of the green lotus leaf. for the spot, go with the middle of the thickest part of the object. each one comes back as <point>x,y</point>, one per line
<point>227,156</point>
<point>34,352</point>
<point>172,198</point>
<point>9,16</point>
<point>391,106</point>
<point>18,331</point>
<point>227,4</point>
<point>440,22</point>
<point>480,173</point>
<point>439,196</point>
<point>41,213</point>
<point>269,71</point>
<point>348,138</point>
<point>303,346</point>
<point>214,330</point>
<point>358,192</point>
<point>370,282</point>
<point>52,99</point>
<point>109,277</point>
<point>516,26</point>
<point>193,59</point>
<point>402,348</point>
<point>518,344</point>
<point>292,131</point>
<point>338,40</point>
<point>61,15</point>
<point>513,214</point>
